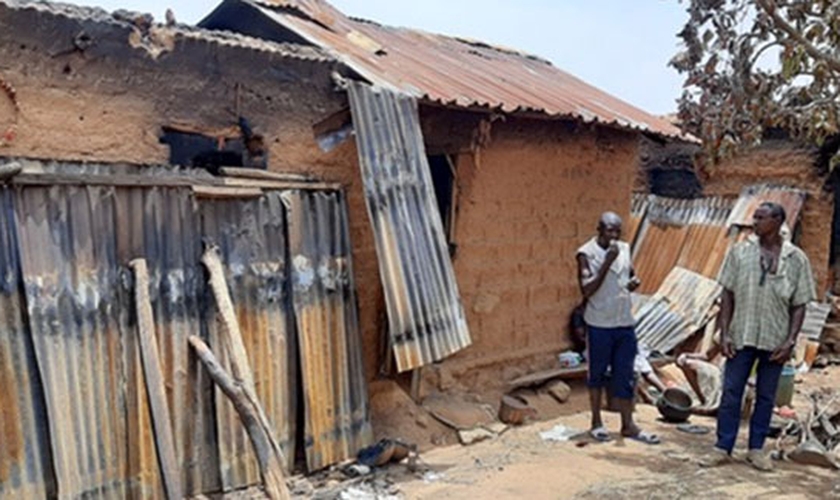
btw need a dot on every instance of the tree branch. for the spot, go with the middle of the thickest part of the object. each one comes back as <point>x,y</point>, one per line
<point>769,7</point>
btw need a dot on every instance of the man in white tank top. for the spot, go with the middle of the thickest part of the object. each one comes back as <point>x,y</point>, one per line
<point>606,277</point>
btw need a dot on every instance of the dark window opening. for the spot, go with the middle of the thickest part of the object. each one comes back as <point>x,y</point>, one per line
<point>194,150</point>
<point>674,183</point>
<point>442,169</point>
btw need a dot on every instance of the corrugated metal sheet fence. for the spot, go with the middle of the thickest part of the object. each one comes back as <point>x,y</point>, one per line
<point>74,242</point>
<point>425,315</point>
<point>25,469</point>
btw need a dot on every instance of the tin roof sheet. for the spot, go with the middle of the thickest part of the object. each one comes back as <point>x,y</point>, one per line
<point>425,315</point>
<point>751,197</point>
<point>450,70</point>
<point>682,305</point>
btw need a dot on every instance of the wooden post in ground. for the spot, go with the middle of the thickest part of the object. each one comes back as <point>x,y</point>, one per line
<point>153,375</point>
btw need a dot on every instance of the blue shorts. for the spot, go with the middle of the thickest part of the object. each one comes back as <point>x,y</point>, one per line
<point>611,349</point>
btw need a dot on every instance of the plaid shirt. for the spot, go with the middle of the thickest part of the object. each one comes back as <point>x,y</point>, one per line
<point>761,318</point>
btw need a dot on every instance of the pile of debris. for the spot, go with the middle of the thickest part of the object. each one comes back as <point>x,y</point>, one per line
<point>813,439</point>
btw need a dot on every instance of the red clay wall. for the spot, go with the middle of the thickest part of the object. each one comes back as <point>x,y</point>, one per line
<point>784,165</point>
<point>526,202</point>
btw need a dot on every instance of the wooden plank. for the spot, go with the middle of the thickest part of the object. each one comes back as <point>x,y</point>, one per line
<point>153,375</point>
<point>270,184</point>
<point>232,338</point>
<point>217,192</point>
<point>255,173</point>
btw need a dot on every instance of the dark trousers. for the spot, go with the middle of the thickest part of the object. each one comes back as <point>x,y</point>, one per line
<point>735,375</point>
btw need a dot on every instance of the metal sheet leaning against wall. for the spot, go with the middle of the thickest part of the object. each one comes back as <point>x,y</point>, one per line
<point>250,234</point>
<point>334,386</point>
<point>25,469</point>
<point>425,316</point>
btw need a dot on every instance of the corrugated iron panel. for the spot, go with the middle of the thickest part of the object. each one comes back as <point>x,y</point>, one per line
<point>682,305</point>
<point>448,70</point>
<point>72,291</point>
<point>25,469</point>
<point>160,224</point>
<point>426,317</point>
<point>334,385</point>
<point>678,232</point>
<point>251,237</point>
<point>752,196</point>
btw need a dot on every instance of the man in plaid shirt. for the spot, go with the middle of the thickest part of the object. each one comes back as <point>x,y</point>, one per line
<point>767,283</point>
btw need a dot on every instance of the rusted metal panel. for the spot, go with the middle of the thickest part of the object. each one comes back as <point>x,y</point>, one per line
<point>334,385</point>
<point>682,305</point>
<point>72,290</point>
<point>425,314</point>
<point>751,197</point>
<point>676,232</point>
<point>251,237</point>
<point>443,69</point>
<point>25,470</point>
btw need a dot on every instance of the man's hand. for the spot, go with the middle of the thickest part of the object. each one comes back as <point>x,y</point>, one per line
<point>726,347</point>
<point>634,283</point>
<point>782,353</point>
<point>612,253</point>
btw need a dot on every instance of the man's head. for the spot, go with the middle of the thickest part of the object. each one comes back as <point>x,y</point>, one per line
<point>768,219</point>
<point>609,227</point>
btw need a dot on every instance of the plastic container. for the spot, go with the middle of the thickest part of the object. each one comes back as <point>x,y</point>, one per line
<point>569,359</point>
<point>784,394</point>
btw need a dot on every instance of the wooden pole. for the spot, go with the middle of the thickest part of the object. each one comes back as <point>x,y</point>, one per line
<point>153,376</point>
<point>249,410</point>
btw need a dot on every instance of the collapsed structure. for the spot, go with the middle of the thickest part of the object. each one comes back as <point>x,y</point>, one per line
<point>424,199</point>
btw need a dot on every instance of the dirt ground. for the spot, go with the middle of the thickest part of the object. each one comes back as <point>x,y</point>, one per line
<point>520,464</point>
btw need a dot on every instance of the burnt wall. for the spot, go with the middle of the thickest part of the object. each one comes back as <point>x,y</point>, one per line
<point>89,88</point>
<point>784,164</point>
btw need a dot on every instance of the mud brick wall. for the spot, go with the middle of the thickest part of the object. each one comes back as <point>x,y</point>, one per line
<point>783,164</point>
<point>527,201</point>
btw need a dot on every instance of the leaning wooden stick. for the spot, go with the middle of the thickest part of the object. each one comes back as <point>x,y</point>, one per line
<point>249,410</point>
<point>153,375</point>
<point>231,336</point>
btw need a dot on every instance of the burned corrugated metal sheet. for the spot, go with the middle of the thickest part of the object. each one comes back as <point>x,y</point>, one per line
<point>679,232</point>
<point>251,237</point>
<point>438,68</point>
<point>751,197</point>
<point>683,304</point>
<point>78,342</point>
<point>425,314</point>
<point>334,385</point>
<point>25,468</point>
<point>75,241</point>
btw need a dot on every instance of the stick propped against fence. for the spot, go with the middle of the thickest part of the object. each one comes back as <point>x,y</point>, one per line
<point>240,386</point>
<point>164,442</point>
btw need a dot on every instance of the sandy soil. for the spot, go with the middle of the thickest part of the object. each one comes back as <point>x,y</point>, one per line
<point>519,464</point>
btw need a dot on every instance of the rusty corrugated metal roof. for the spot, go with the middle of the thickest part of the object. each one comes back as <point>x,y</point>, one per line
<point>751,197</point>
<point>452,71</point>
<point>425,316</point>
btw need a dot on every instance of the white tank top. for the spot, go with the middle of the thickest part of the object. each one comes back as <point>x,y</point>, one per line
<point>611,305</point>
